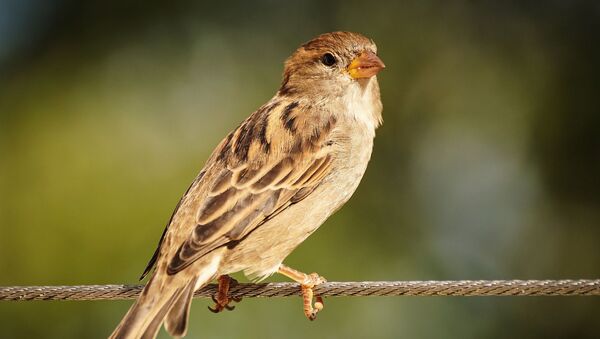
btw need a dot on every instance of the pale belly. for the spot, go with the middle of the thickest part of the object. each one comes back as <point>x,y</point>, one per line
<point>262,251</point>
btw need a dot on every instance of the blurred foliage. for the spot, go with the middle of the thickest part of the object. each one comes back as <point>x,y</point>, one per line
<point>487,165</point>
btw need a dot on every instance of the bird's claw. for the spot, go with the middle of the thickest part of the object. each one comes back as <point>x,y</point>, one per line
<point>218,308</point>
<point>310,309</point>
<point>222,298</point>
<point>307,283</point>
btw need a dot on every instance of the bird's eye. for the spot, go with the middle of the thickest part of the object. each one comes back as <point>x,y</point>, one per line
<point>328,59</point>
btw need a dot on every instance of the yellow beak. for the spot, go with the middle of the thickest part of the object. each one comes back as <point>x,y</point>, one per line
<point>366,65</point>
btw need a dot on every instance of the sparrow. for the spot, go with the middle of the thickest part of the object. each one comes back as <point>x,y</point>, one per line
<point>268,185</point>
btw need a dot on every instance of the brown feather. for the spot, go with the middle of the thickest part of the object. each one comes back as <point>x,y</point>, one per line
<point>177,318</point>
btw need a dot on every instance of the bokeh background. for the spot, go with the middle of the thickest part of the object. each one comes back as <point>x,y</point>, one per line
<point>487,165</point>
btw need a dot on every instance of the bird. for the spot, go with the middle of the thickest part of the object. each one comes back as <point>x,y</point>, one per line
<point>268,185</point>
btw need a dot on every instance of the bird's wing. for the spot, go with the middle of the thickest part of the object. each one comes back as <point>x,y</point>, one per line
<point>259,170</point>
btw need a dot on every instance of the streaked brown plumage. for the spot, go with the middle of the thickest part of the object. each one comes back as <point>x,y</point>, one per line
<point>270,183</point>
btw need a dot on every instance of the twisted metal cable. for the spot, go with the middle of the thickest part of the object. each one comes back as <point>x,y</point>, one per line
<point>583,287</point>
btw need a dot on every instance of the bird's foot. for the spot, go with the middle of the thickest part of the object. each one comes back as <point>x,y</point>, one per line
<point>310,309</point>
<point>222,298</point>
<point>307,283</point>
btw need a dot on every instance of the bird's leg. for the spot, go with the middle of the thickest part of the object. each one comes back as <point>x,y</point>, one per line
<point>307,283</point>
<point>222,299</point>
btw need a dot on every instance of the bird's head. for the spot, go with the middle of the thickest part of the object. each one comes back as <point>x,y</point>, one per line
<point>330,64</point>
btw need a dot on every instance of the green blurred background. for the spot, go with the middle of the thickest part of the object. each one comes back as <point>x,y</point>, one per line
<point>487,165</point>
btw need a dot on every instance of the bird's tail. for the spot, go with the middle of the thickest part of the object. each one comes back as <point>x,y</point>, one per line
<point>159,300</point>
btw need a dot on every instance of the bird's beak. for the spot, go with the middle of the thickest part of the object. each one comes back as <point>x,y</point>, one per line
<point>366,65</point>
